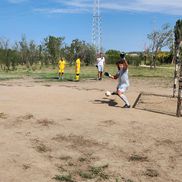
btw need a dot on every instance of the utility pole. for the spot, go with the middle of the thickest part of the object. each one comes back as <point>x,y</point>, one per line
<point>96,28</point>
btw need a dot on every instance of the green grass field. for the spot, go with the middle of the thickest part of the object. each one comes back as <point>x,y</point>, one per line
<point>87,72</point>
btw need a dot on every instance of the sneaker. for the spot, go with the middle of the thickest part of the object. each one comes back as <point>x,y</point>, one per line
<point>114,93</point>
<point>126,106</point>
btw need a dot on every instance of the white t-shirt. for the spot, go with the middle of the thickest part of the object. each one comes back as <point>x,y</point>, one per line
<point>123,77</point>
<point>100,61</point>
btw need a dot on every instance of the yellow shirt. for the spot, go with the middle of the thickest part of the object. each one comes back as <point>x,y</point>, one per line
<point>62,64</point>
<point>77,65</point>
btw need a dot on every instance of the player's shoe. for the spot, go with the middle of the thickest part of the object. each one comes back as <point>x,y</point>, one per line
<point>114,93</point>
<point>126,106</point>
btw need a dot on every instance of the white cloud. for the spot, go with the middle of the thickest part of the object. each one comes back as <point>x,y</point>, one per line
<point>80,3</point>
<point>157,6</point>
<point>60,10</point>
<point>172,7</point>
<point>67,7</point>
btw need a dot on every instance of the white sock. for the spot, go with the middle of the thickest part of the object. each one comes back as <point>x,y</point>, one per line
<point>124,98</point>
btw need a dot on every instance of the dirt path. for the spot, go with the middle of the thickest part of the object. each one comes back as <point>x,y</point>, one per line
<point>71,132</point>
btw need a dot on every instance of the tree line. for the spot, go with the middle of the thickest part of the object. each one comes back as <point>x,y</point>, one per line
<point>28,53</point>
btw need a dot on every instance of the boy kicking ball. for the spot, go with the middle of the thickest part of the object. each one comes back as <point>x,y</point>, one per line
<point>123,81</point>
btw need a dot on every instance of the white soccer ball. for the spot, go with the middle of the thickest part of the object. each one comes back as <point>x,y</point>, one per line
<point>107,93</point>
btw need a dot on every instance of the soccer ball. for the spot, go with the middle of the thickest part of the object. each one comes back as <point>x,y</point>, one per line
<point>107,93</point>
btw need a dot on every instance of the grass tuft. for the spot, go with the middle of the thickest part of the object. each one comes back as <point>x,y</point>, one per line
<point>95,172</point>
<point>151,173</point>
<point>136,157</point>
<point>67,178</point>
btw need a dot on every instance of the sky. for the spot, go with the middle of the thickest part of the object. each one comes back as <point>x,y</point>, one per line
<point>125,24</point>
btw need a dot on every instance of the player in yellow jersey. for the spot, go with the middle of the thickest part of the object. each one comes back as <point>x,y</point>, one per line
<point>61,65</point>
<point>77,68</point>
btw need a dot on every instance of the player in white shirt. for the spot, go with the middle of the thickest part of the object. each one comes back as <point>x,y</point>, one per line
<point>100,65</point>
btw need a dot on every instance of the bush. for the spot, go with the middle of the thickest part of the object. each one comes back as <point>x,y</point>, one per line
<point>112,56</point>
<point>134,60</point>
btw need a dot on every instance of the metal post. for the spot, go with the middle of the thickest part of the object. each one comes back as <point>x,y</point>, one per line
<point>96,28</point>
<point>176,62</point>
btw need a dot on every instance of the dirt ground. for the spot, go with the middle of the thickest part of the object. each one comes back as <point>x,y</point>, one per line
<point>70,131</point>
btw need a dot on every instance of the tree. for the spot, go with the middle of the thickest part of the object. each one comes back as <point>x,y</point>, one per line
<point>53,46</point>
<point>5,52</point>
<point>24,51</point>
<point>88,54</point>
<point>81,49</point>
<point>178,33</point>
<point>75,49</point>
<point>41,56</point>
<point>32,53</point>
<point>16,57</point>
<point>160,39</point>
<point>112,56</point>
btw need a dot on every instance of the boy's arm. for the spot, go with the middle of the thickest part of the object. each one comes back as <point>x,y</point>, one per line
<point>111,76</point>
<point>126,64</point>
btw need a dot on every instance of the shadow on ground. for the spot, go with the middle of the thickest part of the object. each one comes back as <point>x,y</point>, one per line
<point>109,102</point>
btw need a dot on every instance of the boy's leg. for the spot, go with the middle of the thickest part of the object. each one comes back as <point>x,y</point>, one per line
<point>100,70</point>
<point>62,75</point>
<point>98,75</point>
<point>123,97</point>
<point>77,77</point>
<point>101,75</point>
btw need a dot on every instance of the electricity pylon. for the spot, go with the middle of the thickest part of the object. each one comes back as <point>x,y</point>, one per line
<point>96,28</point>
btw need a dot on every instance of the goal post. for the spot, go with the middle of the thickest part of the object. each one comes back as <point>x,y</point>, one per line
<point>179,100</point>
<point>178,62</point>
